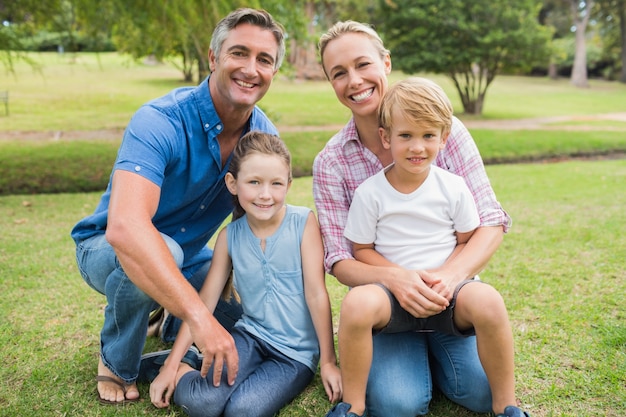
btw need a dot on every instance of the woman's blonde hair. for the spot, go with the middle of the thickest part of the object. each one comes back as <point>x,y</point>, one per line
<point>419,100</point>
<point>350,26</point>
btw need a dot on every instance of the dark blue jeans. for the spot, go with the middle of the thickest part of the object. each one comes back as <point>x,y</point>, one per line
<point>126,315</point>
<point>266,382</point>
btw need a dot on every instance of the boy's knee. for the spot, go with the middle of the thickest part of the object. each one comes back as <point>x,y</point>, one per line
<point>365,303</point>
<point>480,299</point>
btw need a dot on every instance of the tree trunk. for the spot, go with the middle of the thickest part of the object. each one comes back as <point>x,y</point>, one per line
<point>622,29</point>
<point>579,71</point>
<point>304,55</point>
<point>553,71</point>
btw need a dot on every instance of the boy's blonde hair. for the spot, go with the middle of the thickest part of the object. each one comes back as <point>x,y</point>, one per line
<point>350,26</point>
<point>418,99</point>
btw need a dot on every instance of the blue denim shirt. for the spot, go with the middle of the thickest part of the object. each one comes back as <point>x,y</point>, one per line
<point>172,141</point>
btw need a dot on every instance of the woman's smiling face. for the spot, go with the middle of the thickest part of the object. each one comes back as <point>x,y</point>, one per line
<point>357,72</point>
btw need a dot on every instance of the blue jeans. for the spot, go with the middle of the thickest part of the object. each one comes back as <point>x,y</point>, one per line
<point>267,380</point>
<point>126,315</point>
<point>400,382</point>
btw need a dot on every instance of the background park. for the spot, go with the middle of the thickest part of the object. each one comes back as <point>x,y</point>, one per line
<point>554,153</point>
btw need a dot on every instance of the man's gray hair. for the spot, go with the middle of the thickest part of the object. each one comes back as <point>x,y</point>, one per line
<point>255,17</point>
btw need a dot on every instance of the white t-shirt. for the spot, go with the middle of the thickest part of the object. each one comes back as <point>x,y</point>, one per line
<point>415,230</point>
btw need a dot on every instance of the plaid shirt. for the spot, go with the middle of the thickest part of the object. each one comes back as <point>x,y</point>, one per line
<point>345,163</point>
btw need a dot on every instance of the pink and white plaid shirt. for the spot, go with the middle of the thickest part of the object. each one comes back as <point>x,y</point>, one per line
<point>345,163</point>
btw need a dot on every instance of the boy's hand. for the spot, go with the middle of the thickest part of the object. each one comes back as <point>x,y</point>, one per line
<point>416,295</point>
<point>444,283</point>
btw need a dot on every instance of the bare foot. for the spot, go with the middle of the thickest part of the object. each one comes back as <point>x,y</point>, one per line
<point>114,390</point>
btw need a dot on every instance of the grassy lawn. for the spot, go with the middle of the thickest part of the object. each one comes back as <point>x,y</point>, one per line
<point>101,91</point>
<point>561,269</point>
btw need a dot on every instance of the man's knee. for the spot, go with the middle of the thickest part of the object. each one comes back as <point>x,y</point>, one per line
<point>397,403</point>
<point>175,250</point>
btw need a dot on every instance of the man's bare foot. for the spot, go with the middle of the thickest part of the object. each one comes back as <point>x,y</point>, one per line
<point>113,390</point>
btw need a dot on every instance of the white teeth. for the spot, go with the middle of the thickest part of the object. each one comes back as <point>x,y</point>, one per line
<point>363,95</point>
<point>244,84</point>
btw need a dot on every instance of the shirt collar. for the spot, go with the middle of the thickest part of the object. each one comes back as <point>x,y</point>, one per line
<point>349,133</point>
<point>204,102</point>
<point>208,114</point>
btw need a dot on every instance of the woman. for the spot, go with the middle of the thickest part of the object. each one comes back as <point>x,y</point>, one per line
<point>400,384</point>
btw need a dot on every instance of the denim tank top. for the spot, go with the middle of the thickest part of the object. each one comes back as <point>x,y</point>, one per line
<point>270,284</point>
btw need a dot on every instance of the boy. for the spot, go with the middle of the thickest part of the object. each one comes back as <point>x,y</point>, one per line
<point>416,216</point>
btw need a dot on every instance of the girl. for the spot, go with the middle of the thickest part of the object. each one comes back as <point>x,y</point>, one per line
<point>274,252</point>
<point>357,65</point>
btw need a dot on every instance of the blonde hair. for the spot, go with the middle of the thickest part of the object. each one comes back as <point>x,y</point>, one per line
<point>350,26</point>
<point>256,142</point>
<point>419,100</point>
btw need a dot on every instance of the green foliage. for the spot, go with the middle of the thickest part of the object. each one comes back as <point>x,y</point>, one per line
<point>180,29</point>
<point>564,50</point>
<point>470,42</point>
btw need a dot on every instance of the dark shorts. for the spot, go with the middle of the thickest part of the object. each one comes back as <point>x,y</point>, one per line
<point>402,321</point>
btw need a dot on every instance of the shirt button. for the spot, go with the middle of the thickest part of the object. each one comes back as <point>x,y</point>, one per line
<point>202,207</point>
<point>218,127</point>
<point>206,125</point>
<point>137,168</point>
<point>182,229</point>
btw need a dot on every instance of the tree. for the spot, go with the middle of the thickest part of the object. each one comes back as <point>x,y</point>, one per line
<point>612,13</point>
<point>172,29</point>
<point>18,20</point>
<point>581,12</point>
<point>470,42</point>
<point>183,28</point>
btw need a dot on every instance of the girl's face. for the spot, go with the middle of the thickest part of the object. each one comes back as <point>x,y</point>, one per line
<point>261,185</point>
<point>357,72</point>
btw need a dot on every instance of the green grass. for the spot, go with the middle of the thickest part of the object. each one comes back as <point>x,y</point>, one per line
<point>97,91</point>
<point>560,269</point>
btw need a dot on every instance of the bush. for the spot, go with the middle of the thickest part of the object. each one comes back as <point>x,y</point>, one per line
<point>85,165</point>
<point>58,167</point>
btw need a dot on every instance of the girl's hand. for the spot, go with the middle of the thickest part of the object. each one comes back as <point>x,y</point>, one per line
<point>162,388</point>
<point>331,378</point>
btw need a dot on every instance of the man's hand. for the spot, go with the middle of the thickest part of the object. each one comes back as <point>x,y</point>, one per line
<point>218,348</point>
<point>416,295</point>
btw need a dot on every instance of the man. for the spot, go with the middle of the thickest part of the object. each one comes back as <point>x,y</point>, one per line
<point>145,244</point>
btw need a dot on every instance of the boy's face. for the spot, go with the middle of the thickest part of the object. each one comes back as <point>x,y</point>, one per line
<point>414,145</point>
